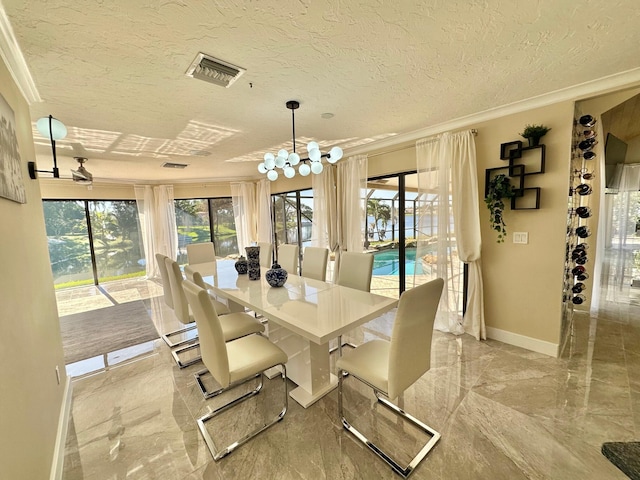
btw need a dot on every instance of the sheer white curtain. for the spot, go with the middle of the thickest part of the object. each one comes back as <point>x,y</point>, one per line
<point>448,186</point>
<point>324,227</point>
<point>243,197</point>
<point>622,215</point>
<point>264,225</point>
<point>351,205</point>
<point>157,215</point>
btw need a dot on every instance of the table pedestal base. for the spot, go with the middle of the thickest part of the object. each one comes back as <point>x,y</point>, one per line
<point>308,365</point>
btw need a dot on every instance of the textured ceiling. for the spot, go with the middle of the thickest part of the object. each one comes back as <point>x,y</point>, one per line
<point>114,72</point>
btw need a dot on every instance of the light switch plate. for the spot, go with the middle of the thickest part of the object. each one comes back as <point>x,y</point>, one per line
<point>521,237</point>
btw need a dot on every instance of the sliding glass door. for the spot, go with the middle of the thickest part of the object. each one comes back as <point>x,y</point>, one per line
<point>116,239</point>
<point>68,239</point>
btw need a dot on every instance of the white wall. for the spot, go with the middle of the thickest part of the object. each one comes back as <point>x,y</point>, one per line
<point>30,346</point>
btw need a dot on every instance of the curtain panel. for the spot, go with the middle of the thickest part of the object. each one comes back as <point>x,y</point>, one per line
<point>264,220</point>
<point>351,208</point>
<point>243,197</point>
<point>157,215</point>
<point>449,226</point>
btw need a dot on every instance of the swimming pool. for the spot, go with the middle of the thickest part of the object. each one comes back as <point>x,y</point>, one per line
<point>386,262</point>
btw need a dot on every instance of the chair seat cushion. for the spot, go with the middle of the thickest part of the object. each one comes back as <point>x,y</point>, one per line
<point>368,362</point>
<point>236,325</point>
<point>221,308</point>
<point>251,355</point>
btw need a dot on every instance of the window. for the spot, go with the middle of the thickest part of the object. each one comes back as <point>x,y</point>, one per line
<point>92,241</point>
<point>293,217</point>
<point>192,221</point>
<point>117,239</point>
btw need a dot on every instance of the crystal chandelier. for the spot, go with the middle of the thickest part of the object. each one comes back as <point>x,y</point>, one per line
<point>287,161</point>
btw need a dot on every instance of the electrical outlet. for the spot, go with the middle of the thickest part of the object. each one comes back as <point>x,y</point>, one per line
<point>521,237</point>
<point>58,374</point>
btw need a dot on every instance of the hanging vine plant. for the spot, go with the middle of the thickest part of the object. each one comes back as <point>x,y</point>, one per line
<point>498,189</point>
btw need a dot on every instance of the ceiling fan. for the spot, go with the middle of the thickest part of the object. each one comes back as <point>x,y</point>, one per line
<point>81,175</point>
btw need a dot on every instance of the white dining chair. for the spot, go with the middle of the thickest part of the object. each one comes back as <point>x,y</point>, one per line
<point>201,253</point>
<point>314,263</point>
<point>355,271</point>
<point>235,324</point>
<point>266,255</point>
<point>288,258</point>
<point>389,368</point>
<point>168,300</point>
<point>196,277</point>
<point>232,364</point>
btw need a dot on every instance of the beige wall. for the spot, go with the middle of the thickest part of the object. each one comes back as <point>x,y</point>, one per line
<point>30,344</point>
<point>523,283</point>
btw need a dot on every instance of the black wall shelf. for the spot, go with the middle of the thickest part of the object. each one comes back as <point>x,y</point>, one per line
<point>523,161</point>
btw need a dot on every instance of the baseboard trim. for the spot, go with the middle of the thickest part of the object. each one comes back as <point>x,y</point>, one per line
<point>61,437</point>
<point>518,340</point>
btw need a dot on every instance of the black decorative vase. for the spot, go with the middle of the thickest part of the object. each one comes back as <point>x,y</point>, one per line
<point>276,276</point>
<point>253,262</point>
<point>242,266</point>
<point>534,141</point>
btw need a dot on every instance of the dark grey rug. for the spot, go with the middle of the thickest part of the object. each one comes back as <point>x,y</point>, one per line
<point>93,333</point>
<point>625,456</point>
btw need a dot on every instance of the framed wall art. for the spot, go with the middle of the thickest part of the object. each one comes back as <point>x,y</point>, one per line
<point>11,183</point>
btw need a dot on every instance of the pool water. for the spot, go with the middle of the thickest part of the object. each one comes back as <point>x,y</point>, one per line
<point>386,262</point>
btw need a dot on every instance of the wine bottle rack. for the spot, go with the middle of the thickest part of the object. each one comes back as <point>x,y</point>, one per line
<point>577,253</point>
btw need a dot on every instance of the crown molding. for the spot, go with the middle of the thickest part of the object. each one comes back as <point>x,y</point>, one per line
<point>14,60</point>
<point>582,91</point>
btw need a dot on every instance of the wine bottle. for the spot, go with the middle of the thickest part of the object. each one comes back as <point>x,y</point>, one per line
<point>587,121</point>
<point>579,299</point>
<point>583,212</point>
<point>583,189</point>
<point>578,287</point>
<point>583,231</point>
<point>578,270</point>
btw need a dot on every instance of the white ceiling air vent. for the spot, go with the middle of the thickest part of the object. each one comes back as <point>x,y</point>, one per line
<point>213,70</point>
<point>174,165</point>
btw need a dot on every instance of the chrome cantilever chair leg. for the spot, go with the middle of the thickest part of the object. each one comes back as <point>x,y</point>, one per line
<point>214,393</point>
<point>404,472</point>
<point>181,363</point>
<point>218,454</point>
<point>171,344</point>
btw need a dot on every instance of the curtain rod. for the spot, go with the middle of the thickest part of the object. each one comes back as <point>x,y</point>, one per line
<point>473,131</point>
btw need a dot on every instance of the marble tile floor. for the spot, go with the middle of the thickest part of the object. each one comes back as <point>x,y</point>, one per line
<point>503,412</point>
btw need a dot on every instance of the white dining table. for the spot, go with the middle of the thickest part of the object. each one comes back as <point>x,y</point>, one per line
<point>303,316</point>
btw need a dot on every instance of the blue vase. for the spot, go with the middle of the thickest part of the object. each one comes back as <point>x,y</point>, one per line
<point>253,262</point>
<point>276,276</point>
<point>242,266</point>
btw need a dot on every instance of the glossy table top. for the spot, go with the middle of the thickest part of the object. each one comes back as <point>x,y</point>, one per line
<point>316,310</point>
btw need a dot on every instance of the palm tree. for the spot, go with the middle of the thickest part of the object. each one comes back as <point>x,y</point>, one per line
<point>381,213</point>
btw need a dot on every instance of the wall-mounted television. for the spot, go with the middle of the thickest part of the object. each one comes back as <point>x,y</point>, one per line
<point>615,151</point>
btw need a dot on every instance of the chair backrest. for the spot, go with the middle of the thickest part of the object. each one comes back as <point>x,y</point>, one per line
<point>355,270</point>
<point>166,286</point>
<point>196,277</point>
<point>410,349</point>
<point>314,263</point>
<point>212,345</point>
<point>266,254</point>
<point>201,253</point>
<point>288,256</point>
<point>180,305</point>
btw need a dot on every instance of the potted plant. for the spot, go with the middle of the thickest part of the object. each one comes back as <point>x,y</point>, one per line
<point>498,189</point>
<point>534,133</point>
